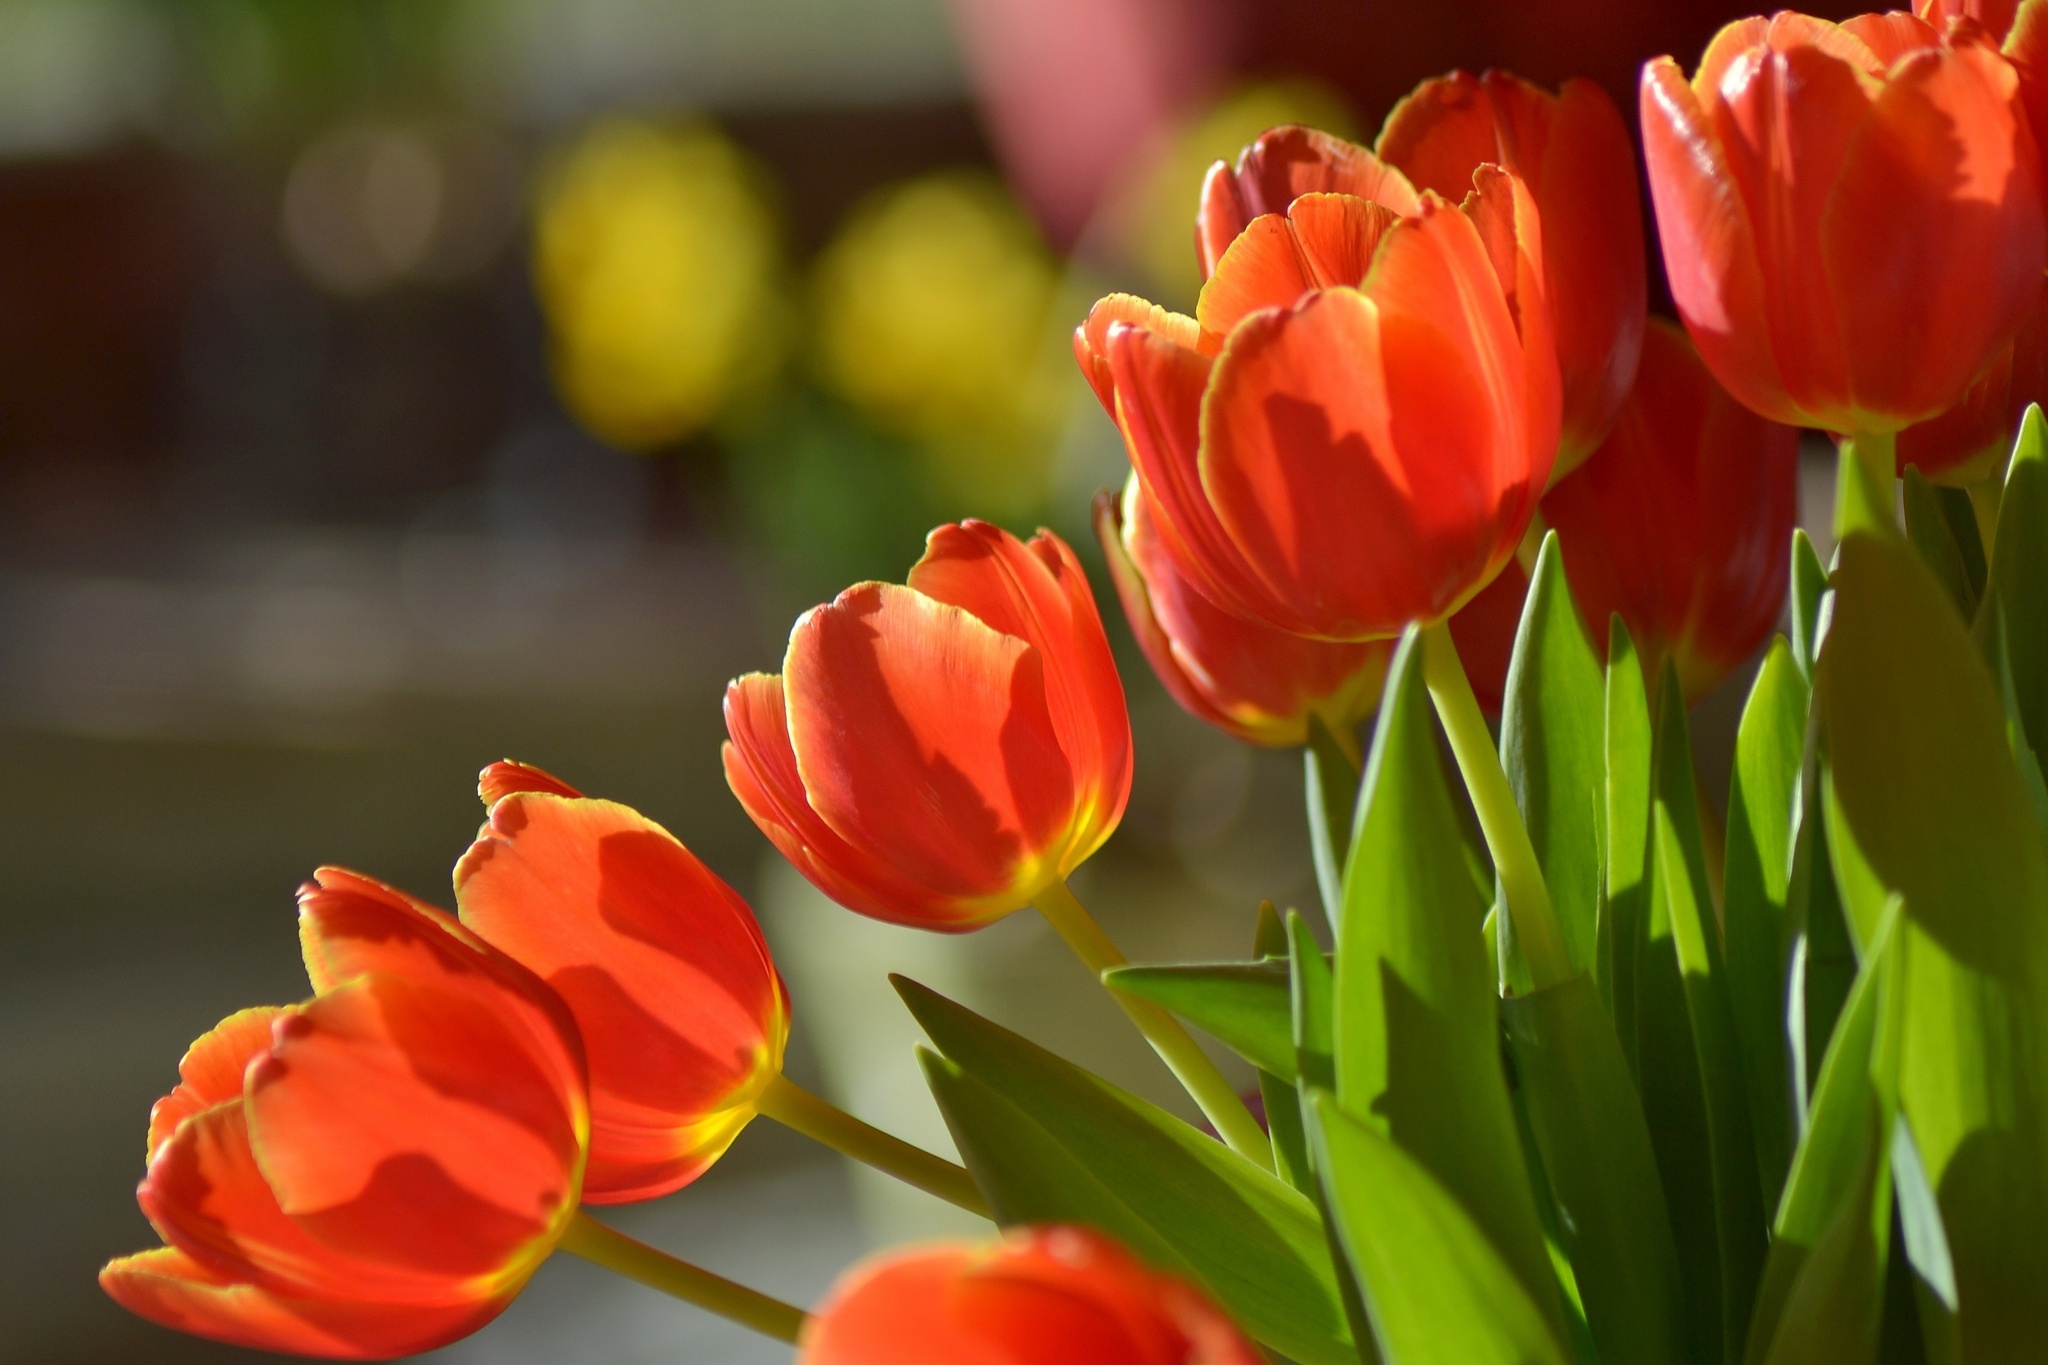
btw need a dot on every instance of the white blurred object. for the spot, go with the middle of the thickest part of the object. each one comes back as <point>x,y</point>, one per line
<point>370,204</point>
<point>76,75</point>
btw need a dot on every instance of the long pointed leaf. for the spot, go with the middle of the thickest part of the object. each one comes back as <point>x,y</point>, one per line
<point>1588,1124</point>
<point>1624,902</point>
<point>1437,1291</point>
<point>1332,792</point>
<point>1417,1027</point>
<point>1925,779</point>
<point>1761,799</point>
<point>2018,576</point>
<point>1243,1005</point>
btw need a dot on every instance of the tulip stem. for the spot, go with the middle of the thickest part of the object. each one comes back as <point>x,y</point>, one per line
<point>1866,481</point>
<point>793,1106</point>
<point>1217,1098</point>
<point>1493,800</point>
<point>622,1255</point>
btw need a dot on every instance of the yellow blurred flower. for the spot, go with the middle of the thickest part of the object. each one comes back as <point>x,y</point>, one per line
<point>932,316</point>
<point>1154,226</point>
<point>657,259</point>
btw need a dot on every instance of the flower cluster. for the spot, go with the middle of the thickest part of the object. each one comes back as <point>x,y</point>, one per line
<point>1420,412</point>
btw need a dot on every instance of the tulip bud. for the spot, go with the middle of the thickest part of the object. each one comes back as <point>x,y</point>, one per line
<point>1351,433</point>
<point>1851,213</point>
<point>1682,520</point>
<point>376,1171</point>
<point>939,753</point>
<point>1247,680</point>
<point>1574,153</point>
<point>681,1010</point>
<point>1041,1296</point>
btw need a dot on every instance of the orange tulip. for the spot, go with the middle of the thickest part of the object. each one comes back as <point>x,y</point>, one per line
<point>376,1171</point>
<point>937,754</point>
<point>1247,680</point>
<point>661,963</point>
<point>1352,432</point>
<point>1574,152</point>
<point>1682,521</point>
<point>1041,1296</point>
<point>1851,214</point>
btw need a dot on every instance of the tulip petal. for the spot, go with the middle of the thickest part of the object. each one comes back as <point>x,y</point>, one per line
<point>760,767</point>
<point>1785,120</point>
<point>920,730</point>
<point>1730,42</point>
<point>1339,234</point>
<point>212,1070</point>
<point>1934,232</point>
<point>414,1127</point>
<point>1283,164</point>
<point>1263,268</point>
<point>351,926</point>
<point>1892,36</point>
<point>1710,251</point>
<point>1039,593</point>
<point>1440,131</point>
<point>507,776</point>
<point>168,1287</point>
<point>1249,680</point>
<point>891,1312</point>
<point>662,964</point>
<point>1160,390</point>
<point>1091,338</point>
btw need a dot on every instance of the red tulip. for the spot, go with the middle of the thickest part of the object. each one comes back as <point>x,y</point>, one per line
<point>1682,521</point>
<point>376,1171</point>
<point>661,963</point>
<point>1247,680</point>
<point>937,754</point>
<point>1574,152</point>
<point>1041,1296</point>
<point>1851,214</point>
<point>1352,432</point>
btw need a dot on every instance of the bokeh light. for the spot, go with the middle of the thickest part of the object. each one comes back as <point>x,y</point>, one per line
<point>656,259</point>
<point>931,315</point>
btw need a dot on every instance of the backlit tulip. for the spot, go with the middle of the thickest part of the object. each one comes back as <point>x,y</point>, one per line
<point>373,1172</point>
<point>938,754</point>
<point>1851,214</point>
<point>1682,520</point>
<point>1245,679</point>
<point>1352,432</point>
<point>1041,1296</point>
<point>1574,153</point>
<point>682,1012</point>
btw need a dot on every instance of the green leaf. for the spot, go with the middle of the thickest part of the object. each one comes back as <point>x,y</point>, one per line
<point>1624,900</point>
<point>1243,1005</point>
<point>1927,526</point>
<point>1314,1006</point>
<point>1961,516</point>
<point>1416,1019</point>
<point>1281,1101</point>
<point>1762,795</point>
<point>1049,1142</point>
<point>1823,961</point>
<point>2015,728</point>
<point>1809,584</point>
<point>1436,1289</point>
<point>1822,1293</point>
<point>1595,1143</point>
<point>1924,777</point>
<point>1861,891</point>
<point>1332,791</point>
<point>2018,575</point>
<point>1552,732</point>
<point>1682,907</point>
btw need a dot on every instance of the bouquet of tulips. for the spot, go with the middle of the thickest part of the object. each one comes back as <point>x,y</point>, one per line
<point>1592,1074</point>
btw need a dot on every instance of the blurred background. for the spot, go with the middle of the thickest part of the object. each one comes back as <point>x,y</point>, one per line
<point>389,386</point>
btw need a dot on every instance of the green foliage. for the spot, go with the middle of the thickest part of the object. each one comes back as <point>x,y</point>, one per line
<point>1551,736</point>
<point>1790,1110</point>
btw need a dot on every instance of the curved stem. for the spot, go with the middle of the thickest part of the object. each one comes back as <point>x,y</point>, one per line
<point>1866,483</point>
<point>793,1106</point>
<point>1500,819</point>
<point>622,1255</point>
<point>1176,1047</point>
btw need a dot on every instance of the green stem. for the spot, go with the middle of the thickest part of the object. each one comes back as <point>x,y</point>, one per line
<point>793,1106</point>
<point>1866,481</point>
<point>1500,820</point>
<point>623,1255</point>
<point>1218,1100</point>
<point>1985,495</point>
